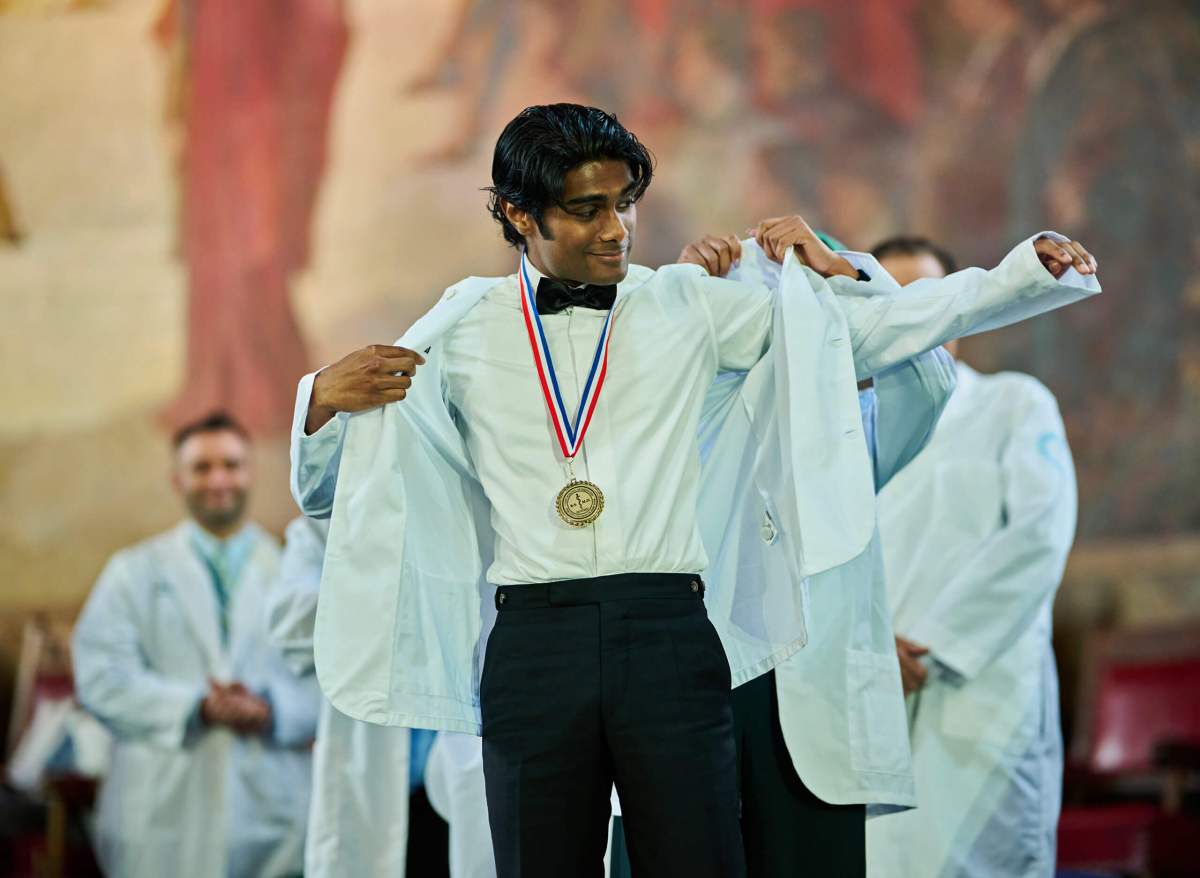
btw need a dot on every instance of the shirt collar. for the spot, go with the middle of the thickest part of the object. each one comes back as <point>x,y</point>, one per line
<point>230,553</point>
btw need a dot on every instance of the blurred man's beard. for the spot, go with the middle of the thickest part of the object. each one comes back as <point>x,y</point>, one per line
<point>217,519</point>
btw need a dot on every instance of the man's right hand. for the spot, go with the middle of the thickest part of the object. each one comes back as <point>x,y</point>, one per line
<point>913,672</point>
<point>366,379</point>
<point>714,253</point>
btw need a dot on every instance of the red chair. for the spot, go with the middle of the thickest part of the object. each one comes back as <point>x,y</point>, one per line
<point>1134,757</point>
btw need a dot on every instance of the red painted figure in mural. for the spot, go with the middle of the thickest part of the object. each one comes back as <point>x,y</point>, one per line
<point>252,90</point>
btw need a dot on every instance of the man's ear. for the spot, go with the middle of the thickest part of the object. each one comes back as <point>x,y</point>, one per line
<point>520,219</point>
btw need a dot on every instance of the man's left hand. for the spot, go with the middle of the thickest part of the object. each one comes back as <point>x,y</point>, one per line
<point>1057,257</point>
<point>777,234</point>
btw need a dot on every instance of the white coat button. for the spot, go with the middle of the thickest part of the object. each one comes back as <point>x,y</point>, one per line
<point>767,531</point>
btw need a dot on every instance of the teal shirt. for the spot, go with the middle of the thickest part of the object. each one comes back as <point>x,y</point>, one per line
<point>225,559</point>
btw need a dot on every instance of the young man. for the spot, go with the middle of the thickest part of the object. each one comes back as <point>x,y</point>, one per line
<point>211,765</point>
<point>503,479</point>
<point>976,533</point>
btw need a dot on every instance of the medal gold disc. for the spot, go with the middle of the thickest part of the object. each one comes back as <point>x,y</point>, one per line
<point>579,503</point>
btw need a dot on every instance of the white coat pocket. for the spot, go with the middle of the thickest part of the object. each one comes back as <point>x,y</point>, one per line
<point>876,714</point>
<point>1003,719</point>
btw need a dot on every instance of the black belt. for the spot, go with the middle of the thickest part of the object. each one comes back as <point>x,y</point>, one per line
<point>618,587</point>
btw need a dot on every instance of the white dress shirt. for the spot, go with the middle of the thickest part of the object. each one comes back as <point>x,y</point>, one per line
<point>669,340</point>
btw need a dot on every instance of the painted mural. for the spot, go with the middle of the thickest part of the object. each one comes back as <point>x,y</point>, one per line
<point>201,200</point>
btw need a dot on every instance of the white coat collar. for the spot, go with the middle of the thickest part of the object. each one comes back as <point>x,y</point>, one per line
<point>967,381</point>
<point>185,573</point>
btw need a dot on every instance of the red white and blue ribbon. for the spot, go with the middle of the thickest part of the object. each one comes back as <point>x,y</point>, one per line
<point>570,431</point>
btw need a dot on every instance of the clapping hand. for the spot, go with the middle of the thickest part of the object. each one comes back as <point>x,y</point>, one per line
<point>234,706</point>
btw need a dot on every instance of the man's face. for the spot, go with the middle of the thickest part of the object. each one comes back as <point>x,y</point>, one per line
<point>908,267</point>
<point>588,239</point>
<point>212,474</point>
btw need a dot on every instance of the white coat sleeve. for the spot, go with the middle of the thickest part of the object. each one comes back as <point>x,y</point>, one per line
<point>295,708</point>
<point>740,321</point>
<point>887,328</point>
<point>315,458</point>
<point>911,398</point>
<point>292,601</point>
<point>112,679</point>
<point>998,590</point>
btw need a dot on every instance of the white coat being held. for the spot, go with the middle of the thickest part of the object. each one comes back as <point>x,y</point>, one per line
<point>976,533</point>
<point>182,799</point>
<point>841,708</point>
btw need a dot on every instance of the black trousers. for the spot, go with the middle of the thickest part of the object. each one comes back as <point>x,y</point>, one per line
<point>615,679</point>
<point>428,852</point>
<point>788,831</point>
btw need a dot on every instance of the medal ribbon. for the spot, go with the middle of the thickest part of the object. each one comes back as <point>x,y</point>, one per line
<point>570,432</point>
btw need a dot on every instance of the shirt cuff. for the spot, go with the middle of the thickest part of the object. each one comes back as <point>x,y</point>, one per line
<point>868,267</point>
<point>954,656</point>
<point>303,398</point>
<point>194,725</point>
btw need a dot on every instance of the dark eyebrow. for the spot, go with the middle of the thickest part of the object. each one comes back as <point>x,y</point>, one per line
<point>597,198</point>
<point>586,199</point>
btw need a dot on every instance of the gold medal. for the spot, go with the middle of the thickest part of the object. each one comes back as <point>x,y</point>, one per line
<point>579,503</point>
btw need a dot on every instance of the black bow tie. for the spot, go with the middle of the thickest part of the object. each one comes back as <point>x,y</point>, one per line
<point>554,295</point>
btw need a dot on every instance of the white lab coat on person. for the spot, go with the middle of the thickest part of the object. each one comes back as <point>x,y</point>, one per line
<point>358,818</point>
<point>405,607</point>
<point>976,533</point>
<point>180,799</point>
<point>841,704</point>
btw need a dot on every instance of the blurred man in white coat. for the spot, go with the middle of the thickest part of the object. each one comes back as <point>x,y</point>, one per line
<point>975,536</point>
<point>211,762</point>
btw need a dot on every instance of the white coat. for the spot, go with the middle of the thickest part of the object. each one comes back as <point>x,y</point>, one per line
<point>358,819</point>
<point>404,612</point>
<point>976,534</point>
<point>181,799</point>
<point>841,706</point>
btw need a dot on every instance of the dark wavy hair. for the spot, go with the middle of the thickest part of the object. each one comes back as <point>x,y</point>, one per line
<point>915,245</point>
<point>537,149</point>
<point>215,422</point>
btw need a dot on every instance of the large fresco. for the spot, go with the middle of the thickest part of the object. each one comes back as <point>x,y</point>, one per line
<point>200,200</point>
